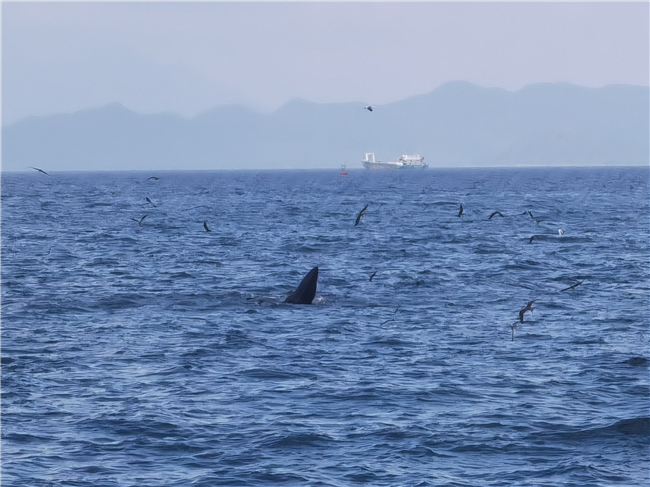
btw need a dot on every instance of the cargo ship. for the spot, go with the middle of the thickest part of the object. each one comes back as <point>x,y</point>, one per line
<point>403,162</point>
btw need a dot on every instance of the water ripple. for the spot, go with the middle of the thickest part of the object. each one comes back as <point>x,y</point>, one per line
<point>161,354</point>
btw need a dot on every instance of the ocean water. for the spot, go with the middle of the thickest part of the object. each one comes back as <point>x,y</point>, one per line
<point>160,354</point>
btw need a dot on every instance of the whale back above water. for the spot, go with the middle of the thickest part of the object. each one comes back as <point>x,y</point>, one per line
<point>306,290</point>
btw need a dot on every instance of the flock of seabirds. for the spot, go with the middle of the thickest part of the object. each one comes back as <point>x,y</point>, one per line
<point>306,290</point>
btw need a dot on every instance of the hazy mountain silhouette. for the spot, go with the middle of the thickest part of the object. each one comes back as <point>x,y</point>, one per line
<point>458,124</point>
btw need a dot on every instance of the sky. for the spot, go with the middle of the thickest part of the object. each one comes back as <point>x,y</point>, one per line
<point>187,58</point>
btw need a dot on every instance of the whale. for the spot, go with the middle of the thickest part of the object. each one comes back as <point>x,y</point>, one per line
<point>306,290</point>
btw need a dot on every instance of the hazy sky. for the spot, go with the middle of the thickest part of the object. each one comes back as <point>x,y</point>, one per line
<point>189,57</point>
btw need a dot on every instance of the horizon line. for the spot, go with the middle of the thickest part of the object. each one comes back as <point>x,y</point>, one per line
<point>388,171</point>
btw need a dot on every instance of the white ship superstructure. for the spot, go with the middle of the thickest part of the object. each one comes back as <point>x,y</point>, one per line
<point>403,162</point>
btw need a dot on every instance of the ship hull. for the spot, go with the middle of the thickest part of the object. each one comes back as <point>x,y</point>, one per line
<point>390,166</point>
<point>380,166</point>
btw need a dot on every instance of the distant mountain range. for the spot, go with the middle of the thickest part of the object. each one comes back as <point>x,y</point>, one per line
<point>458,124</point>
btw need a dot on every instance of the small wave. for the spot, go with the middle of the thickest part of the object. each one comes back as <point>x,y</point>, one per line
<point>390,342</point>
<point>588,341</point>
<point>118,302</point>
<point>300,440</point>
<point>634,426</point>
<point>637,362</point>
<point>99,204</point>
<point>274,374</point>
<point>425,452</point>
<point>180,275</point>
<point>477,448</point>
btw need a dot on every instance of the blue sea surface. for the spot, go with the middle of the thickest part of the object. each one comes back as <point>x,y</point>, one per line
<point>154,353</point>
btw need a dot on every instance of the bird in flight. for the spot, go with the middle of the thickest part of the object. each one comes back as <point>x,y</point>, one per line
<point>369,108</point>
<point>495,213</point>
<point>530,213</point>
<point>393,318</point>
<point>154,178</point>
<point>361,213</point>
<point>514,328</point>
<point>528,307</point>
<point>572,287</point>
<point>150,202</point>
<point>373,275</point>
<point>140,220</point>
<point>39,170</point>
<point>461,210</point>
<point>205,225</point>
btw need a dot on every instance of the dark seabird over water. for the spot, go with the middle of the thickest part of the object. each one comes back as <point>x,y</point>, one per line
<point>205,225</point>
<point>460,212</point>
<point>530,213</point>
<point>572,287</point>
<point>369,108</point>
<point>373,275</point>
<point>528,307</point>
<point>534,237</point>
<point>393,318</point>
<point>39,170</point>
<point>154,178</point>
<point>150,202</point>
<point>514,328</point>
<point>140,220</point>
<point>495,213</point>
<point>361,213</point>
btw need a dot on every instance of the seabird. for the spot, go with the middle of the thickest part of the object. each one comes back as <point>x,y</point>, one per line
<point>140,220</point>
<point>369,108</point>
<point>572,287</point>
<point>560,232</point>
<point>361,213</point>
<point>392,319</point>
<point>532,217</point>
<point>150,202</point>
<point>514,328</point>
<point>495,213</point>
<point>154,178</point>
<point>205,225</point>
<point>528,307</point>
<point>460,212</point>
<point>39,170</point>
<point>373,275</point>
<point>533,238</point>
